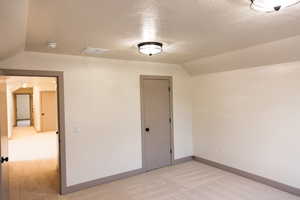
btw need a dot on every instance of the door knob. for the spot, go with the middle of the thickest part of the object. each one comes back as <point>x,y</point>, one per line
<point>4,159</point>
<point>147,129</point>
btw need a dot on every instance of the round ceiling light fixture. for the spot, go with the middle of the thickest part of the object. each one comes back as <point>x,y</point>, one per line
<point>150,48</point>
<point>272,5</point>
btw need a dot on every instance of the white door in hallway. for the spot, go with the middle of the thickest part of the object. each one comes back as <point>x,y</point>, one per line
<point>3,140</point>
<point>49,111</point>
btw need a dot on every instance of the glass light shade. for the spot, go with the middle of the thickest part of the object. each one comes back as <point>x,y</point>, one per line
<point>272,5</point>
<point>150,48</point>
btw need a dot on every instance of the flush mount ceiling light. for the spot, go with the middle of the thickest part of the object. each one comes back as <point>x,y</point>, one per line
<point>272,5</point>
<point>150,48</point>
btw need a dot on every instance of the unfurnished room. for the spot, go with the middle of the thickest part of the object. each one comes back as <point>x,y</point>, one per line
<point>149,100</point>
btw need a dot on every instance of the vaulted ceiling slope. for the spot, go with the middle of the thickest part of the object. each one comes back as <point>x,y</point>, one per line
<point>192,30</point>
<point>13,17</point>
<point>280,51</point>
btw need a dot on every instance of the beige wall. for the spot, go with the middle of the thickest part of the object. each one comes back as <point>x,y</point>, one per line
<point>10,111</point>
<point>249,119</point>
<point>36,101</point>
<point>102,104</point>
<point>11,87</point>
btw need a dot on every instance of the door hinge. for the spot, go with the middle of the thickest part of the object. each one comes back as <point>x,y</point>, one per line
<point>170,120</point>
<point>171,151</point>
<point>169,88</point>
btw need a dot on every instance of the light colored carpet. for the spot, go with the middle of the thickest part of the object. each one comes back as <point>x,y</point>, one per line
<point>23,123</point>
<point>27,144</point>
<point>187,181</point>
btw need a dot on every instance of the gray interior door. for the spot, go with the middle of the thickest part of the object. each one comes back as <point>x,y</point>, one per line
<point>156,123</point>
<point>3,141</point>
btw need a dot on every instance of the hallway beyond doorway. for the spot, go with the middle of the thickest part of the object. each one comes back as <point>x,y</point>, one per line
<point>23,123</point>
<point>27,144</point>
<point>33,179</point>
<point>33,164</point>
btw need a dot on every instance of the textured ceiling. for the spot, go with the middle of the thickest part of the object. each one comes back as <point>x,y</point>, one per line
<point>280,51</point>
<point>13,15</point>
<point>199,34</point>
<point>191,29</point>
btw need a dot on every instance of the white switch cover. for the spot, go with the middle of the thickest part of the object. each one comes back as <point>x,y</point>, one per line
<point>76,130</point>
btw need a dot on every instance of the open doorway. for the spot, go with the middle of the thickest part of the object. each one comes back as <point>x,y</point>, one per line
<point>23,107</point>
<point>34,137</point>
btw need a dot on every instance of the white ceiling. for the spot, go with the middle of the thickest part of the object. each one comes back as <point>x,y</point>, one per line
<point>192,30</point>
<point>13,15</point>
<point>280,51</point>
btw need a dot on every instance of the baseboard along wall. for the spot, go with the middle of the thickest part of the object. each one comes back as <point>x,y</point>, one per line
<point>266,181</point>
<point>260,179</point>
<point>93,183</point>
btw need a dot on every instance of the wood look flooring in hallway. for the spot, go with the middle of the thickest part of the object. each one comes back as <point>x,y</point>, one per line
<point>33,180</point>
<point>188,181</point>
<point>33,166</point>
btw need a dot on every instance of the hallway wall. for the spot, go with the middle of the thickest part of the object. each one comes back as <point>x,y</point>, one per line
<point>10,106</point>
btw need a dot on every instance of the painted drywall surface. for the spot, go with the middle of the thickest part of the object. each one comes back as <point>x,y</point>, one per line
<point>10,111</point>
<point>102,107</point>
<point>11,87</point>
<point>249,119</point>
<point>36,108</point>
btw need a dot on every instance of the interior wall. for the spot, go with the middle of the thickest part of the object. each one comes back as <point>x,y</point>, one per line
<point>11,87</point>
<point>36,108</point>
<point>10,111</point>
<point>249,119</point>
<point>102,108</point>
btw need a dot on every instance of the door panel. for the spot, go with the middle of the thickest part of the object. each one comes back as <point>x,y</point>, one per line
<point>156,122</point>
<point>3,140</point>
<point>49,111</point>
